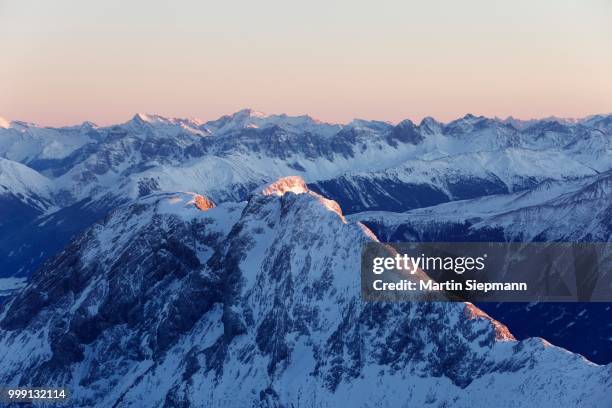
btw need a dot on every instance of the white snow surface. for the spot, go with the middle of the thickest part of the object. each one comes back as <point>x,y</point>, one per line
<point>20,180</point>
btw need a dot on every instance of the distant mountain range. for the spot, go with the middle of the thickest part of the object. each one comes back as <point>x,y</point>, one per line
<point>70,177</point>
<point>162,259</point>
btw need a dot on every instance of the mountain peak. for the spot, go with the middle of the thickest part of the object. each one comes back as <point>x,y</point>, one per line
<point>293,184</point>
<point>153,119</point>
<point>166,126</point>
<point>429,121</point>
<point>4,123</point>
<point>251,119</point>
<point>248,112</point>
<point>430,125</point>
<point>297,185</point>
<point>470,119</point>
<point>88,125</point>
<point>406,123</point>
<point>149,118</point>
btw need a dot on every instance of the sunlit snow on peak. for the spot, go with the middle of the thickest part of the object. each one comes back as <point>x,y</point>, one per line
<point>4,123</point>
<point>293,184</point>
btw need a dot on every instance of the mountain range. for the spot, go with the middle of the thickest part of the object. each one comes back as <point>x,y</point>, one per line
<point>164,261</point>
<point>77,174</point>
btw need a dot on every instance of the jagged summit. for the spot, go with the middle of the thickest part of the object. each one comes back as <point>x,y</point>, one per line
<point>17,178</point>
<point>294,184</point>
<point>430,126</point>
<point>368,166</point>
<point>4,123</point>
<point>18,125</point>
<point>297,185</point>
<point>248,112</point>
<point>252,119</point>
<point>157,125</point>
<point>154,119</point>
<point>148,118</point>
<point>429,121</point>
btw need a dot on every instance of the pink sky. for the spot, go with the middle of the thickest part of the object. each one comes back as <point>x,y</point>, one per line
<point>64,62</point>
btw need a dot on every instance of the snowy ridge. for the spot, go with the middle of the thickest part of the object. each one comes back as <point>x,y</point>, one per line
<point>572,211</point>
<point>4,123</point>
<point>294,184</point>
<point>21,183</point>
<point>17,178</point>
<point>29,143</point>
<point>297,185</point>
<point>153,125</point>
<point>251,119</point>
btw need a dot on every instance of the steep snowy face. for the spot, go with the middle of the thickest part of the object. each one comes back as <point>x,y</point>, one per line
<point>25,183</point>
<point>35,145</point>
<point>24,195</point>
<point>573,210</point>
<point>491,133</point>
<point>297,185</point>
<point>600,122</point>
<point>156,125</point>
<point>163,303</point>
<point>422,183</point>
<point>114,283</point>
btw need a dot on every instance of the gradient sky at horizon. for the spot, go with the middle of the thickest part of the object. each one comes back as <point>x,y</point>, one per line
<point>65,61</point>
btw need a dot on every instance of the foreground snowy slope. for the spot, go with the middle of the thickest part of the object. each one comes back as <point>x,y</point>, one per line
<point>174,301</point>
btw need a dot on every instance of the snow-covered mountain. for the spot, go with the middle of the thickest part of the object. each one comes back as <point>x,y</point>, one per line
<point>421,183</point>
<point>578,210</point>
<point>25,195</point>
<point>574,210</point>
<point>35,145</point>
<point>501,179</point>
<point>174,301</point>
<point>25,185</point>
